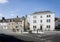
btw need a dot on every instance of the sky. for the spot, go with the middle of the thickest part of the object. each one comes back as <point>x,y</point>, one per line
<point>13,8</point>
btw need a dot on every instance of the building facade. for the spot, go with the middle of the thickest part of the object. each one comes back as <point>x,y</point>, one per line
<point>57,22</point>
<point>14,24</point>
<point>3,25</point>
<point>43,20</point>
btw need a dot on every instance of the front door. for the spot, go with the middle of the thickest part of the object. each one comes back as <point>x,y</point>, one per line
<point>41,27</point>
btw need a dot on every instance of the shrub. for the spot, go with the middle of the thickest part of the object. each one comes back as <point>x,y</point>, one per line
<point>30,31</point>
<point>14,30</point>
<point>57,28</point>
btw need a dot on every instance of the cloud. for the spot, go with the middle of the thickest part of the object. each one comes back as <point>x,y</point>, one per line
<point>14,11</point>
<point>28,17</point>
<point>1,15</point>
<point>3,1</point>
<point>12,15</point>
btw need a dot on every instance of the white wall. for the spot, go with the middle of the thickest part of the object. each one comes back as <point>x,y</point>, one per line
<point>44,23</point>
<point>3,25</point>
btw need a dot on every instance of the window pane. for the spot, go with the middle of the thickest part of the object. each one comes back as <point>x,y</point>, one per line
<point>48,20</point>
<point>34,26</point>
<point>48,15</point>
<point>48,26</point>
<point>41,16</point>
<point>16,26</point>
<point>41,21</point>
<point>34,21</point>
<point>34,16</point>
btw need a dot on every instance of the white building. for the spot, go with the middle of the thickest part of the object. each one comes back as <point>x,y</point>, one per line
<point>43,20</point>
<point>3,25</point>
<point>15,24</point>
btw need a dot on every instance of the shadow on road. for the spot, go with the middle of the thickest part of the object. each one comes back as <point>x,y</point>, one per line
<point>8,38</point>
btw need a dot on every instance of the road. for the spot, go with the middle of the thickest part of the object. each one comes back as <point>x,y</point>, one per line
<point>48,36</point>
<point>53,36</point>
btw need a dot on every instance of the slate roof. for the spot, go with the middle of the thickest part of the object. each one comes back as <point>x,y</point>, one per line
<point>42,12</point>
<point>11,20</point>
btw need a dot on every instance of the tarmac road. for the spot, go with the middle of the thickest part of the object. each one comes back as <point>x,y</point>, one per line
<point>52,36</point>
<point>8,38</point>
<point>49,37</point>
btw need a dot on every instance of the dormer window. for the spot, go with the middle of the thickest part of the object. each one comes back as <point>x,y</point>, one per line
<point>10,20</point>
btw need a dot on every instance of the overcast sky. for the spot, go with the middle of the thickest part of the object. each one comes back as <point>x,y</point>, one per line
<point>12,8</point>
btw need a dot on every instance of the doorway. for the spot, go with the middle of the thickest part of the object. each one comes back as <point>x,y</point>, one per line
<point>41,27</point>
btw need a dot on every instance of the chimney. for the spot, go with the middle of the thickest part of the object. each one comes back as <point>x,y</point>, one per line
<point>17,16</point>
<point>3,18</point>
<point>26,16</point>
